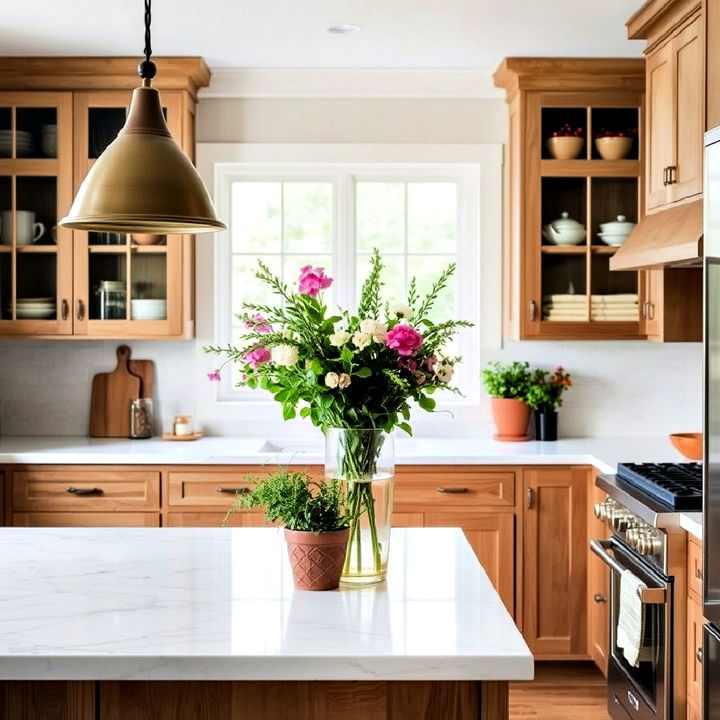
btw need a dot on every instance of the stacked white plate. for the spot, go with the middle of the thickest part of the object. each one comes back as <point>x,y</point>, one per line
<point>23,143</point>
<point>148,309</point>
<point>35,308</point>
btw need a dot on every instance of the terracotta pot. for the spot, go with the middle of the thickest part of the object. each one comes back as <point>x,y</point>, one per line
<point>511,419</point>
<point>316,560</point>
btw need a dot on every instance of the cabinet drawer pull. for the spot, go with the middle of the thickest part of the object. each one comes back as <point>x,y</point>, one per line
<point>452,490</point>
<point>672,174</point>
<point>530,498</point>
<point>650,311</point>
<point>699,655</point>
<point>233,490</point>
<point>65,309</point>
<point>533,310</point>
<point>698,573</point>
<point>79,310</point>
<point>599,598</point>
<point>665,175</point>
<point>84,491</point>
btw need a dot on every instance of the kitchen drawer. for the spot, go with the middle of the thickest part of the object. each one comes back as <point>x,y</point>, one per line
<point>85,490</point>
<point>86,519</point>
<point>213,488</point>
<point>461,488</point>
<point>694,567</point>
<point>215,519</point>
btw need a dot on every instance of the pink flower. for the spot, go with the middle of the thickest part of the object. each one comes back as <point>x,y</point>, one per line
<point>313,280</point>
<point>257,356</point>
<point>259,324</point>
<point>214,376</point>
<point>407,363</point>
<point>431,362</point>
<point>405,339</point>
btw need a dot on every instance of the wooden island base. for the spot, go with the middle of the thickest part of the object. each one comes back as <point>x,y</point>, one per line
<point>212,700</point>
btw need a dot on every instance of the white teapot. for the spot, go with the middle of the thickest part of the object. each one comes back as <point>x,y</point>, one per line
<point>564,231</point>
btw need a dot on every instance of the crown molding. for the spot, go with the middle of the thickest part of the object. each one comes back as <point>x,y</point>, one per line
<point>351,83</point>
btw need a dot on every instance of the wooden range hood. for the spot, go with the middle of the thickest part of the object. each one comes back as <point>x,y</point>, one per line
<point>669,238</point>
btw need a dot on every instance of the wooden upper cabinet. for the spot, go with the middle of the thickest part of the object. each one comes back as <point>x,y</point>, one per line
<point>560,288</point>
<point>555,562</point>
<point>78,283</point>
<point>711,18</point>
<point>675,98</point>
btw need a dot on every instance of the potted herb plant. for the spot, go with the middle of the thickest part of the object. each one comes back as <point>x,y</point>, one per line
<point>544,396</point>
<point>316,525</point>
<point>355,375</point>
<point>507,386</point>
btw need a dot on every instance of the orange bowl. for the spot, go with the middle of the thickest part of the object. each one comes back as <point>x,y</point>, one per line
<point>688,444</point>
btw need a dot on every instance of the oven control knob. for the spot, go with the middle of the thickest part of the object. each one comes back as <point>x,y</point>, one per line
<point>621,519</point>
<point>632,536</point>
<point>649,544</point>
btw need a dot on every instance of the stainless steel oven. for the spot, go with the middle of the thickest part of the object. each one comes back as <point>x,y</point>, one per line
<point>642,692</point>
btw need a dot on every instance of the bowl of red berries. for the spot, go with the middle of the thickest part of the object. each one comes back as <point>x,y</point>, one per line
<point>566,143</point>
<point>614,144</point>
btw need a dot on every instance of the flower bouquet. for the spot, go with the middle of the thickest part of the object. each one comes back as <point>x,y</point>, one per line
<point>354,376</point>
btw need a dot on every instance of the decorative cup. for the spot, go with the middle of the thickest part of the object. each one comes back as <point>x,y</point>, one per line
<point>28,231</point>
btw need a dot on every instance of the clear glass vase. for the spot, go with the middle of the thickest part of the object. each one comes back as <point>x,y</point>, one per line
<point>365,461</point>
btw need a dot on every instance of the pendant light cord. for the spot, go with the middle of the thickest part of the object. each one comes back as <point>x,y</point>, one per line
<point>147,68</point>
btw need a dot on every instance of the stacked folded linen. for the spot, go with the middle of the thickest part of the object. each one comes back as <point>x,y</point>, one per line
<point>574,308</point>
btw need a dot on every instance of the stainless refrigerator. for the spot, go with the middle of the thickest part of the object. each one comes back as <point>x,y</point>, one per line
<point>711,481</point>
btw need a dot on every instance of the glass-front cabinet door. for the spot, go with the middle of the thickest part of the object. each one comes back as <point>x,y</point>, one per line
<point>125,285</point>
<point>35,191</point>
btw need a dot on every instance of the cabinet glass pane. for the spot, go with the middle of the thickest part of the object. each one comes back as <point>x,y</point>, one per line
<point>107,238</point>
<point>564,122</point>
<point>5,214</point>
<point>5,132</point>
<point>618,122</point>
<point>36,210</point>
<point>612,197</point>
<point>149,286</point>
<point>6,286</point>
<point>36,286</point>
<point>104,124</point>
<point>614,294</point>
<point>432,209</point>
<point>36,132</point>
<point>564,288</point>
<point>562,195</point>
<point>108,286</point>
<point>380,216</point>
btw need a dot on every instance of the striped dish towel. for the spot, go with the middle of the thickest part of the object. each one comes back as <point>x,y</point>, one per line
<point>633,637</point>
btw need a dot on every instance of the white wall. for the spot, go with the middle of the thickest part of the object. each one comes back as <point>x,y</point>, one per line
<point>622,388</point>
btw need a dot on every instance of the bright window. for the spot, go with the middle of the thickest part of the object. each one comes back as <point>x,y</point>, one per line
<point>420,218</point>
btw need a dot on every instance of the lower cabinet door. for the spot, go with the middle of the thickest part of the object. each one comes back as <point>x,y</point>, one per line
<point>85,519</point>
<point>555,562</point>
<point>408,519</point>
<point>695,622</point>
<point>216,519</point>
<point>598,591</point>
<point>492,537</point>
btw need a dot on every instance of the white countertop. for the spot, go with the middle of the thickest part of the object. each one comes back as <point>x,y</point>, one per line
<point>603,453</point>
<point>219,604</point>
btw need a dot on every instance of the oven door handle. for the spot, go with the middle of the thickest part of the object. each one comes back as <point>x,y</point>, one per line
<point>649,596</point>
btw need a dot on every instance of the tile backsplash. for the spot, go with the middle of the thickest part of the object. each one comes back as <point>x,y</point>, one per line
<point>621,388</point>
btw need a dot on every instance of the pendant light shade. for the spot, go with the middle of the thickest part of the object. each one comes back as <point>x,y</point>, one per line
<point>143,182</point>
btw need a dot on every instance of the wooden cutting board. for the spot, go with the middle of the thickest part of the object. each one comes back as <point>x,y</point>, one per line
<point>111,396</point>
<point>145,370</point>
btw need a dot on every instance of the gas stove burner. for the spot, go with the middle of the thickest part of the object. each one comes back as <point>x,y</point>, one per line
<point>677,485</point>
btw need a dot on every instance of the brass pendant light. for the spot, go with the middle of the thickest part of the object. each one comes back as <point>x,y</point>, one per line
<point>143,182</point>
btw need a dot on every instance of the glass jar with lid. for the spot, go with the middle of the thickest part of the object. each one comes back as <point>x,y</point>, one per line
<point>111,296</point>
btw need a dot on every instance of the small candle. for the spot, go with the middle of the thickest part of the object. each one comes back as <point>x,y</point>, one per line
<point>182,425</point>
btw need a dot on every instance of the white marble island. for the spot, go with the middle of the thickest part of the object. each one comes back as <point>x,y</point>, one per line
<point>141,607</point>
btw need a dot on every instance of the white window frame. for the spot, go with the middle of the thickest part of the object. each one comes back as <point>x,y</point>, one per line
<point>476,168</point>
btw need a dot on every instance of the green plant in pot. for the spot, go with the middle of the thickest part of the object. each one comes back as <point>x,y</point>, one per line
<point>545,396</point>
<point>508,386</point>
<point>315,520</point>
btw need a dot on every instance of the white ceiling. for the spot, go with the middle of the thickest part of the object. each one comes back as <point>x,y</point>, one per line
<point>291,33</point>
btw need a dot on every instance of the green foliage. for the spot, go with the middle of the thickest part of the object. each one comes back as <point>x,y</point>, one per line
<point>546,390</point>
<point>296,500</point>
<point>507,381</point>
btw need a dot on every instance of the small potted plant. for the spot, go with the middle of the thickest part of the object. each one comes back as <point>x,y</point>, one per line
<point>545,396</point>
<point>314,516</point>
<point>566,142</point>
<point>507,386</point>
<point>614,144</point>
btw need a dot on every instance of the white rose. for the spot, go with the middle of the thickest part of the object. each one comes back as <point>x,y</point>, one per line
<point>285,355</point>
<point>332,380</point>
<point>401,311</point>
<point>367,326</point>
<point>344,380</point>
<point>444,372</point>
<point>339,338</point>
<point>362,339</point>
<point>379,333</point>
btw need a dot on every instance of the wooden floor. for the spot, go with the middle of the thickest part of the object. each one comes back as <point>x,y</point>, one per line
<point>561,691</point>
